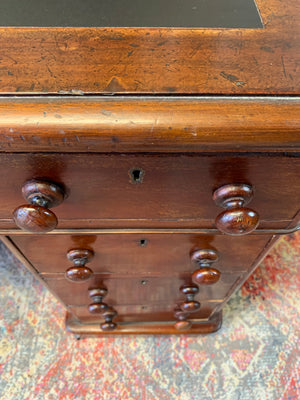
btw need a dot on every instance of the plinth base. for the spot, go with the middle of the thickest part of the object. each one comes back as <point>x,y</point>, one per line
<point>81,329</point>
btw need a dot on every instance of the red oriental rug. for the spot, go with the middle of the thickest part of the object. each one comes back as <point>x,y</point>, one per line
<point>255,355</point>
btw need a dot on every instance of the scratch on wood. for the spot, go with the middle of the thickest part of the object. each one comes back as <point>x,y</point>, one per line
<point>267,49</point>
<point>51,73</point>
<point>232,78</point>
<point>162,43</point>
<point>153,125</point>
<point>283,67</point>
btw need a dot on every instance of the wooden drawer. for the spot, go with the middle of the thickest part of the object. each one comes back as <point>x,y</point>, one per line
<point>145,312</point>
<point>147,254</point>
<point>171,190</point>
<point>139,290</point>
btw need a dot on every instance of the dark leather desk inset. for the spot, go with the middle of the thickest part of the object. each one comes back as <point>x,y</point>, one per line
<point>147,171</point>
<point>131,13</point>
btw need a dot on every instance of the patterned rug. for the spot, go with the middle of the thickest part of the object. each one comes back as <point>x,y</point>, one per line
<point>255,355</point>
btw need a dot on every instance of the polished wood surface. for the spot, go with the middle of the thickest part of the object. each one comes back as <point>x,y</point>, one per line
<point>108,316</point>
<point>149,124</point>
<point>140,289</point>
<point>41,195</point>
<point>144,312</point>
<point>182,323</point>
<point>169,61</point>
<point>129,313</point>
<point>150,128</point>
<point>80,256</point>
<point>97,295</point>
<point>44,193</point>
<point>204,257</point>
<point>35,219</point>
<point>156,293</point>
<point>79,272</point>
<point>190,305</point>
<point>175,188</point>
<point>206,276</point>
<point>236,219</point>
<point>164,254</point>
<point>81,329</point>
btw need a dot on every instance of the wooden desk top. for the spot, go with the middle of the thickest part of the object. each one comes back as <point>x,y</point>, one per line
<point>156,61</point>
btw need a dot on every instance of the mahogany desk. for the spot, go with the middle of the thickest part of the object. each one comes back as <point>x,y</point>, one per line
<point>168,156</point>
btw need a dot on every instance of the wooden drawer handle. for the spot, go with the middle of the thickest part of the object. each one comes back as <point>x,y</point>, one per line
<point>79,272</point>
<point>182,323</point>
<point>97,295</point>
<point>109,315</point>
<point>205,275</point>
<point>98,307</point>
<point>236,219</point>
<point>190,305</point>
<point>41,195</point>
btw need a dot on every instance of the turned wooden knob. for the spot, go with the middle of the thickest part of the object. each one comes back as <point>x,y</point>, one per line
<point>41,195</point>
<point>79,272</point>
<point>108,315</point>
<point>97,295</point>
<point>205,275</point>
<point>182,324</point>
<point>236,219</point>
<point>190,305</point>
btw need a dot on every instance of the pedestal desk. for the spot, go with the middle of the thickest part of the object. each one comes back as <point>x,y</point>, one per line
<point>147,171</point>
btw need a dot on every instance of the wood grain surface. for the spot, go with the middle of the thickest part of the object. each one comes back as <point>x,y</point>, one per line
<point>142,312</point>
<point>81,329</point>
<point>121,254</point>
<point>175,188</point>
<point>137,289</point>
<point>147,124</point>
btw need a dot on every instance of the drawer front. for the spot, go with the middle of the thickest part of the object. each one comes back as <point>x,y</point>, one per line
<point>141,290</point>
<point>148,254</point>
<point>142,313</point>
<point>136,190</point>
<point>142,272</point>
